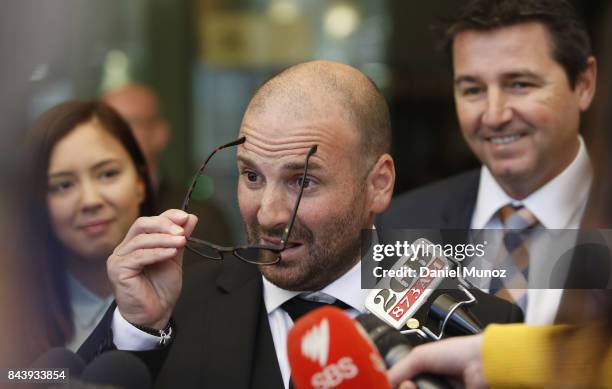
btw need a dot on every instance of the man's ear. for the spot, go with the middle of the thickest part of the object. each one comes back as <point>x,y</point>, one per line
<point>586,84</point>
<point>381,181</point>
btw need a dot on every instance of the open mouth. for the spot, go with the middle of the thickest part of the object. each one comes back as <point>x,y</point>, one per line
<point>292,245</point>
<point>277,242</point>
<point>292,252</point>
<point>504,140</point>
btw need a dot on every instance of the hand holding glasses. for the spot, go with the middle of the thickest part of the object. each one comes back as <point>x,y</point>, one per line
<point>255,254</point>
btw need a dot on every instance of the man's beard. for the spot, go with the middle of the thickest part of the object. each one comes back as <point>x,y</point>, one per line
<point>334,251</point>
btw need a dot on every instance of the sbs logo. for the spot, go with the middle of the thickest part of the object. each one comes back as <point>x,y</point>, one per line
<point>334,374</point>
<point>315,343</point>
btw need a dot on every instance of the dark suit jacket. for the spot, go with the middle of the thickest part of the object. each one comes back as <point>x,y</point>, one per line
<point>440,212</point>
<point>223,336</point>
<point>446,204</point>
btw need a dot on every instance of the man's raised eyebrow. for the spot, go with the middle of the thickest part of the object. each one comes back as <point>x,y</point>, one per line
<point>245,160</point>
<point>296,165</point>
<point>312,165</point>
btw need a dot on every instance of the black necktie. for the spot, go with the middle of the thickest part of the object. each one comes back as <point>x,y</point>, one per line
<point>297,306</point>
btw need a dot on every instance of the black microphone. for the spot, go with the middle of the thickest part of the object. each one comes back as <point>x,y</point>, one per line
<point>59,357</point>
<point>118,369</point>
<point>460,322</point>
<point>393,346</point>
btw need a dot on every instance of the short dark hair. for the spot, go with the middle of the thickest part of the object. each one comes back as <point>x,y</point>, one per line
<point>41,243</point>
<point>571,45</point>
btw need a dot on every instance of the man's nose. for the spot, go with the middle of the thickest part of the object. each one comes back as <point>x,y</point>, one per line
<point>275,209</point>
<point>91,198</point>
<point>497,111</point>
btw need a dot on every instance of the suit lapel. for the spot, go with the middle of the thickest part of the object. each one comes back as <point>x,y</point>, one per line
<point>98,340</point>
<point>457,212</point>
<point>238,338</point>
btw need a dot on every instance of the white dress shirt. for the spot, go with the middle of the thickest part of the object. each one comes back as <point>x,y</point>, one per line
<point>347,289</point>
<point>87,311</point>
<point>559,204</point>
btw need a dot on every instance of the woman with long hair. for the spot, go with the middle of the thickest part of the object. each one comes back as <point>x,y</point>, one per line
<point>84,184</point>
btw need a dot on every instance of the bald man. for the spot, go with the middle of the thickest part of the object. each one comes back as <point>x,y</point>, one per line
<point>230,327</point>
<point>232,317</point>
<point>139,105</point>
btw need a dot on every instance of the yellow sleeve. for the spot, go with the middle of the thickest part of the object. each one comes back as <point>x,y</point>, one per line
<point>518,355</point>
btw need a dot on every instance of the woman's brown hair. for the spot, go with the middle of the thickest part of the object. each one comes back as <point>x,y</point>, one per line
<point>44,250</point>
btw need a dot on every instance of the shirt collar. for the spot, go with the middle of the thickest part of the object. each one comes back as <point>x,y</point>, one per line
<point>347,289</point>
<point>86,306</point>
<point>555,204</point>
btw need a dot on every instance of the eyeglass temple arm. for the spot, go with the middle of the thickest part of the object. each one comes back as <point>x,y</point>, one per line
<point>237,142</point>
<point>283,242</point>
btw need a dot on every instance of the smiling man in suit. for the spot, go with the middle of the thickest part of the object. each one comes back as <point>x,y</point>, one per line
<point>523,74</point>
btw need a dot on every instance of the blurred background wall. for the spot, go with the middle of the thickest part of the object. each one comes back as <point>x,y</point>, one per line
<point>206,57</point>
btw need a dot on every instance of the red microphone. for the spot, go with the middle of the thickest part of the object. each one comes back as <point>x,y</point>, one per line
<point>328,350</point>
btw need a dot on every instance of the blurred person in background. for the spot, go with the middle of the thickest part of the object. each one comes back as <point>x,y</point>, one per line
<point>16,296</point>
<point>139,105</point>
<point>85,182</point>
<point>523,75</point>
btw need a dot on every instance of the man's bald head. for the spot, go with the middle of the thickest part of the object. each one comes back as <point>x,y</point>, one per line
<point>313,88</point>
<point>128,94</point>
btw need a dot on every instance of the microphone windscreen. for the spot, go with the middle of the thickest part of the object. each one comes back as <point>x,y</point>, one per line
<point>118,369</point>
<point>327,349</point>
<point>59,357</point>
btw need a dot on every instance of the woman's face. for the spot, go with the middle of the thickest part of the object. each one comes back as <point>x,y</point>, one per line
<point>94,191</point>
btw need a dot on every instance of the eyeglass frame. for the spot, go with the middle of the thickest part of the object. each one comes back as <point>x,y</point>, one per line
<point>276,249</point>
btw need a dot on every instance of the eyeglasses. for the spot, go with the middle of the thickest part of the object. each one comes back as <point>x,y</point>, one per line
<point>255,254</point>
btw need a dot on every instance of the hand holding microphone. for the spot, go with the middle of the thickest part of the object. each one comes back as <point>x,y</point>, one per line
<point>455,357</point>
<point>394,348</point>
